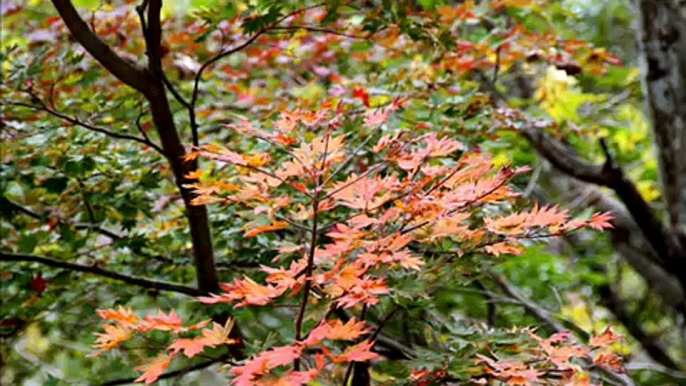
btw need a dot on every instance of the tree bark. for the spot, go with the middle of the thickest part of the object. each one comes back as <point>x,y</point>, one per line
<point>149,82</point>
<point>662,52</point>
<point>206,272</point>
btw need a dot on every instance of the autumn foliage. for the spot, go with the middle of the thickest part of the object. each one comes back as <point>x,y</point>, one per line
<point>365,213</point>
<point>420,189</point>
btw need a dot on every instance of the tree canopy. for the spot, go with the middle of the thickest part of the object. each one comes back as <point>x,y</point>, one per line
<point>364,192</point>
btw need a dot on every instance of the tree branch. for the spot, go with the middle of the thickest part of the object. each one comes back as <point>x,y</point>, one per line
<point>655,368</point>
<point>81,226</point>
<point>544,316</point>
<point>154,37</point>
<point>627,238</point>
<point>534,309</point>
<point>137,281</point>
<point>612,301</point>
<point>198,79</point>
<point>612,176</point>
<point>85,125</point>
<point>18,208</point>
<point>662,54</point>
<point>128,72</point>
<point>176,373</point>
<point>174,150</point>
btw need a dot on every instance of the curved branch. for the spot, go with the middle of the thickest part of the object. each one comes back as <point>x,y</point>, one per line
<point>297,27</point>
<point>176,373</point>
<point>627,238</point>
<point>85,125</point>
<point>546,318</point>
<point>612,176</point>
<point>198,79</point>
<point>81,226</point>
<point>651,345</point>
<point>133,280</point>
<point>128,72</point>
<point>16,207</point>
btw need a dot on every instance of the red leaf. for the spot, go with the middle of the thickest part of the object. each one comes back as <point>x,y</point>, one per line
<point>162,322</point>
<point>39,284</point>
<point>264,363</point>
<point>336,330</point>
<point>361,93</point>
<point>601,221</point>
<point>113,336</point>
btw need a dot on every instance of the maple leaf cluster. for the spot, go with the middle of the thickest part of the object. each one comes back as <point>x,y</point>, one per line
<point>361,204</point>
<point>126,325</point>
<point>559,354</point>
<point>258,370</point>
<point>357,223</point>
<point>423,188</point>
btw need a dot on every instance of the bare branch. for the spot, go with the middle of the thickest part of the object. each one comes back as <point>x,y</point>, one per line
<point>633,367</point>
<point>308,274</point>
<point>214,59</point>
<point>327,31</point>
<point>94,270</point>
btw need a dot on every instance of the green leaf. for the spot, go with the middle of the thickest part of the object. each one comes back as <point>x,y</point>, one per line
<point>56,184</point>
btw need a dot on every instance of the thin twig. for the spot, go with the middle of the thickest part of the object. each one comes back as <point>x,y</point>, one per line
<point>85,125</point>
<point>308,275</point>
<point>176,373</point>
<point>94,270</point>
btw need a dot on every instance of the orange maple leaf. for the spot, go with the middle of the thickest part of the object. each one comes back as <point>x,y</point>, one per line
<point>218,153</point>
<point>219,334</point>
<point>376,118</point>
<point>194,175</point>
<point>210,337</point>
<point>190,347</point>
<point>113,336</point>
<point>161,322</point>
<point>123,316</point>
<point>286,278</point>
<point>251,292</point>
<point>361,352</point>
<point>498,249</point>
<point>336,330</point>
<point>363,192</point>
<point>601,221</point>
<point>363,290</point>
<point>606,339</point>
<point>288,121</point>
<point>264,363</point>
<point>154,369</point>
<point>610,361</point>
<point>266,228</point>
